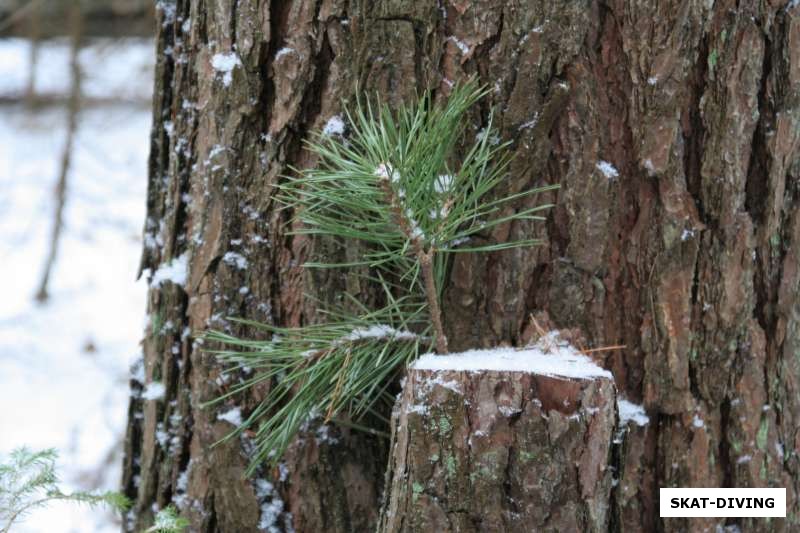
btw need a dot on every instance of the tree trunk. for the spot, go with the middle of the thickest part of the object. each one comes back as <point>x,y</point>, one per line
<point>73,110</point>
<point>672,128</point>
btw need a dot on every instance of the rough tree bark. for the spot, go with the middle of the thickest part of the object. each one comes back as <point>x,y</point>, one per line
<point>685,247</point>
<point>500,451</point>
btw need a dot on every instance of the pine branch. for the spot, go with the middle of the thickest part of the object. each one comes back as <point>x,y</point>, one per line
<point>424,257</point>
<point>398,185</point>
<point>432,295</point>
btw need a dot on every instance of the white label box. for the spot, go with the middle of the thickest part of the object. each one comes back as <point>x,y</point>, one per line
<point>712,502</point>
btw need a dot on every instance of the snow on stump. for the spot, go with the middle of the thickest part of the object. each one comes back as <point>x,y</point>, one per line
<point>502,440</point>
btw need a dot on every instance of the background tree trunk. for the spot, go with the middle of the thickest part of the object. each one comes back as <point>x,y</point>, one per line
<point>684,247</point>
<point>73,110</point>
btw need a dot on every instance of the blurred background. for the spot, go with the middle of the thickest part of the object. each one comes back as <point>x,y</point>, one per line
<point>75,92</point>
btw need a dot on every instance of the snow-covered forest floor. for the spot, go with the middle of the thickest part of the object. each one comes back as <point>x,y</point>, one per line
<point>64,364</point>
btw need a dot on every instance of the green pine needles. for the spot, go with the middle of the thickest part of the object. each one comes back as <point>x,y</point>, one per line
<point>167,520</point>
<point>28,481</point>
<point>402,185</point>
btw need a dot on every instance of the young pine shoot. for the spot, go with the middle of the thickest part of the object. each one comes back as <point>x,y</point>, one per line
<point>402,184</point>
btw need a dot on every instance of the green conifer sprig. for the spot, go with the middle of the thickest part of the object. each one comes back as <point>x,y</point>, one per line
<point>28,481</point>
<point>167,520</point>
<point>401,184</point>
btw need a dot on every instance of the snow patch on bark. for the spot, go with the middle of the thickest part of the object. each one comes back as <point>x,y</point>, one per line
<point>224,63</point>
<point>154,391</point>
<point>272,508</point>
<point>334,126</point>
<point>284,51</point>
<point>175,271</point>
<point>630,412</point>
<point>608,170</point>
<point>235,259</point>
<point>233,416</point>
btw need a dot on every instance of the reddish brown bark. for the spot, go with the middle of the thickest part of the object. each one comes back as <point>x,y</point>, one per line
<point>688,255</point>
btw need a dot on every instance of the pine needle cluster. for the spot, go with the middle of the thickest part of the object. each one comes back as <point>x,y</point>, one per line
<point>28,481</point>
<point>402,185</point>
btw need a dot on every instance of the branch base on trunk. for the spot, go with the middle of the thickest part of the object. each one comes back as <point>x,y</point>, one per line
<point>502,440</point>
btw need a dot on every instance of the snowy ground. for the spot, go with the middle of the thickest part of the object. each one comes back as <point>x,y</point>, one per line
<point>64,365</point>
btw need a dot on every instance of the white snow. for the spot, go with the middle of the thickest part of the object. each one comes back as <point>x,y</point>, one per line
<point>733,528</point>
<point>443,183</point>
<point>551,357</point>
<point>271,508</point>
<point>224,63</point>
<point>162,436</point>
<point>464,47</point>
<point>416,231</point>
<point>334,126</point>
<point>73,353</point>
<point>385,171</point>
<point>284,51</point>
<point>458,242</point>
<point>235,259</point>
<point>631,412</point>
<point>180,499</point>
<point>494,139</point>
<point>608,170</point>
<point>779,449</point>
<point>324,436</point>
<point>154,391</point>
<point>420,409</point>
<point>137,370</point>
<point>530,124</point>
<point>214,152</point>
<point>380,331</point>
<point>174,271</point>
<point>451,384</point>
<point>508,411</point>
<point>232,416</point>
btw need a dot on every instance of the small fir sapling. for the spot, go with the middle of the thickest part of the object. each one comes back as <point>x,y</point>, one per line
<point>414,190</point>
<point>28,481</point>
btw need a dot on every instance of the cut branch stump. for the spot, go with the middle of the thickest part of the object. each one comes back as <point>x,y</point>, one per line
<point>500,450</point>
